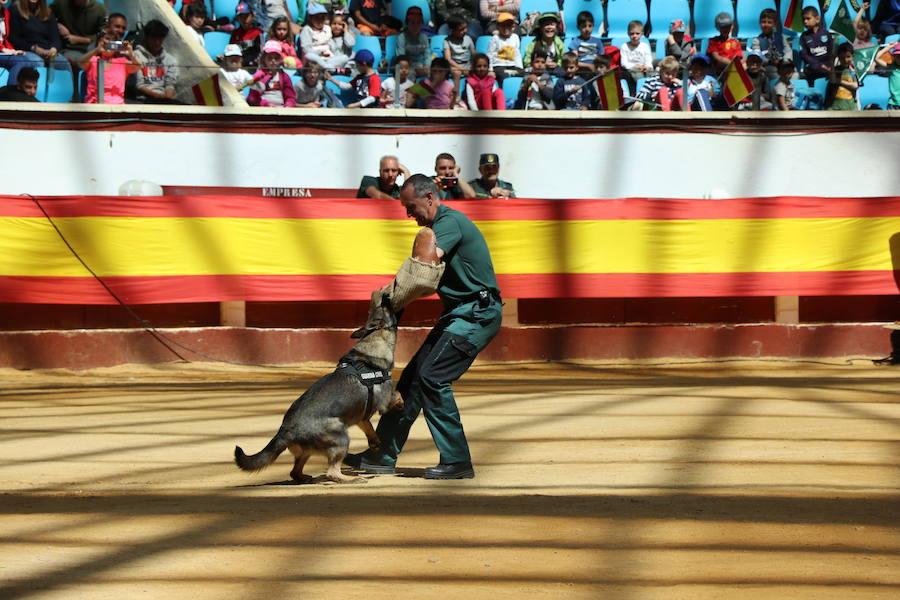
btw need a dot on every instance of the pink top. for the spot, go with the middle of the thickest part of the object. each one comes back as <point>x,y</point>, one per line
<point>114,74</point>
<point>441,96</point>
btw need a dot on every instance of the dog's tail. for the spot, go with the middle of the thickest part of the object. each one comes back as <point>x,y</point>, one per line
<point>263,458</point>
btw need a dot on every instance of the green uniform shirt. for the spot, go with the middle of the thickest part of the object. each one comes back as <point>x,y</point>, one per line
<point>468,261</point>
<point>368,181</point>
<point>483,192</point>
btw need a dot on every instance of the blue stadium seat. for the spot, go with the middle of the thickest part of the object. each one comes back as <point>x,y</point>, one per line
<point>437,45</point>
<point>511,87</point>
<point>390,48</point>
<point>4,77</point>
<point>892,39</point>
<point>370,43</point>
<point>481,44</point>
<point>571,8</point>
<point>399,8</point>
<point>663,12</point>
<point>620,12</point>
<point>524,40</point>
<point>747,16</point>
<point>541,6</point>
<point>705,12</point>
<point>874,90</point>
<point>224,8</point>
<point>346,96</point>
<point>56,86</point>
<point>215,42</point>
<point>82,84</point>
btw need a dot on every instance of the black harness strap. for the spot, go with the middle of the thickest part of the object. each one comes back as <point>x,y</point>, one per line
<point>368,375</point>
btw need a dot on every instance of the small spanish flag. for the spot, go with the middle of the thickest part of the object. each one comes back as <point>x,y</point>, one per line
<point>793,17</point>
<point>609,91</point>
<point>421,89</point>
<point>208,92</point>
<point>736,83</point>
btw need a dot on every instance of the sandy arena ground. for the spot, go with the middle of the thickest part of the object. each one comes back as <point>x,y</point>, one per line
<point>628,482</point>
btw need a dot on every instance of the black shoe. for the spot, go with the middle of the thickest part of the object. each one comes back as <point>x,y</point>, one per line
<point>461,470</point>
<point>889,361</point>
<point>359,462</point>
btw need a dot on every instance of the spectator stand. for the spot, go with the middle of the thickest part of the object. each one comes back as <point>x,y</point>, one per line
<point>621,12</point>
<point>215,42</point>
<point>747,17</point>
<point>662,13</point>
<point>704,17</point>
<point>4,77</point>
<point>399,8</point>
<point>571,8</point>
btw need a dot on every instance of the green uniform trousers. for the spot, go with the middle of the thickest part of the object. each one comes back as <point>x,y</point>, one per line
<point>425,384</point>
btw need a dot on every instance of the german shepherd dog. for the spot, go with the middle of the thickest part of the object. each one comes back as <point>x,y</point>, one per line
<point>318,420</point>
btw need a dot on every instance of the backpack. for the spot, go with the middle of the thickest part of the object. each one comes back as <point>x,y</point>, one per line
<point>526,27</point>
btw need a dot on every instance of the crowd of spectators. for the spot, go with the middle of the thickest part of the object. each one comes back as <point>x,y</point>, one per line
<point>489,57</point>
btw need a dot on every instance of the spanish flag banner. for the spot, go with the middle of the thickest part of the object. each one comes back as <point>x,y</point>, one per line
<point>208,92</point>
<point>218,248</point>
<point>793,16</point>
<point>736,83</point>
<point>609,91</point>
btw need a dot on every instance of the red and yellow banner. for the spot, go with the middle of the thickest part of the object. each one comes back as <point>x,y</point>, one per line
<point>217,248</point>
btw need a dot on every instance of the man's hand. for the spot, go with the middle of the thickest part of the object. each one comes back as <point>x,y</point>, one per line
<point>498,192</point>
<point>404,171</point>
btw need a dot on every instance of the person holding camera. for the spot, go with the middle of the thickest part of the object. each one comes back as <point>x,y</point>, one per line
<point>447,178</point>
<point>116,60</point>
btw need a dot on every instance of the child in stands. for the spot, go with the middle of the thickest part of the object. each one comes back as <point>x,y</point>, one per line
<point>232,67</point>
<point>367,84</point>
<point>117,65</point>
<point>438,90</point>
<point>702,88</point>
<point>280,33</point>
<point>310,89</point>
<point>393,90</point>
<point>722,49</point>
<point>369,16</point>
<point>679,44</point>
<point>458,47</point>
<point>272,86</point>
<point>863,28</point>
<point>342,39</point>
<point>246,35</point>
<point>637,59</point>
<point>816,47</point>
<point>571,91</point>
<point>774,45</point>
<point>482,91</point>
<point>25,88</point>
<point>784,87</point>
<point>547,42</point>
<point>842,88</point>
<point>536,92</point>
<point>586,46</point>
<point>662,86</point>
<point>315,39</point>
<point>195,19</point>
<point>759,99</point>
<point>158,75</point>
<point>892,52</point>
<point>414,44</point>
<point>504,49</point>
<point>270,10</point>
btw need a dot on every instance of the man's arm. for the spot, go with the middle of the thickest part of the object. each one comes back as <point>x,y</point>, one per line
<point>467,190</point>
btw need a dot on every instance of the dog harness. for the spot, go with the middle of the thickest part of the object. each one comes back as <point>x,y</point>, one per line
<point>367,374</point>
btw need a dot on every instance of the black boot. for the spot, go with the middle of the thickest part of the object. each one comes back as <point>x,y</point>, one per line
<point>461,470</point>
<point>361,463</point>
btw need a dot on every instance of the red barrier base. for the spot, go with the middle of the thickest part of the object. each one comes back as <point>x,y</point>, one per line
<point>83,349</point>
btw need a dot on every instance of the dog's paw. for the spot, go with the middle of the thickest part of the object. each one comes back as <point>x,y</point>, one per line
<point>301,477</point>
<point>374,446</point>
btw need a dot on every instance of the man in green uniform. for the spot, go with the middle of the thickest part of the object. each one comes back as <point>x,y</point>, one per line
<point>489,184</point>
<point>383,187</point>
<point>470,320</point>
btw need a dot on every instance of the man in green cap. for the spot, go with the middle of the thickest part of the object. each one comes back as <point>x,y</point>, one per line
<point>489,185</point>
<point>470,320</point>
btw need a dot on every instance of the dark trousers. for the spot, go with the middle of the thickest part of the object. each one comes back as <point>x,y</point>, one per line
<point>426,385</point>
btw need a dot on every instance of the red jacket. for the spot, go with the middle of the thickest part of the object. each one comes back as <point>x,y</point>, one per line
<point>4,35</point>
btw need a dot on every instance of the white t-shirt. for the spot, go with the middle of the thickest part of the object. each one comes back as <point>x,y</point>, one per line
<point>786,90</point>
<point>632,58</point>
<point>389,91</point>
<point>238,78</point>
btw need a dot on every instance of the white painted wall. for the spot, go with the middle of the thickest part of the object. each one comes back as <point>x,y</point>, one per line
<point>600,165</point>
